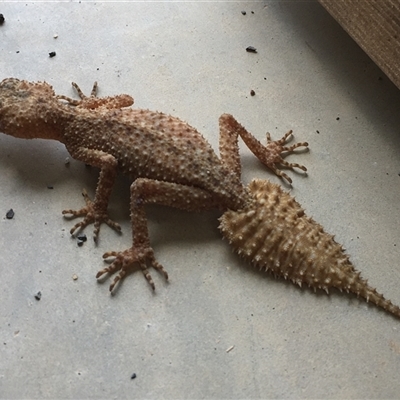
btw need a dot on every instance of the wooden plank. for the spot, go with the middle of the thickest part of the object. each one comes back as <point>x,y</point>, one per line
<point>375,26</point>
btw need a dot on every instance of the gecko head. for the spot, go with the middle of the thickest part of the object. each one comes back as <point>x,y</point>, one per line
<point>24,108</point>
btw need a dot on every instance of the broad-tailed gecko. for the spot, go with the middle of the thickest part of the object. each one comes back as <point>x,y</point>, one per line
<point>170,163</point>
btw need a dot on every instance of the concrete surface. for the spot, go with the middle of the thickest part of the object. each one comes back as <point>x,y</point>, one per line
<point>189,59</point>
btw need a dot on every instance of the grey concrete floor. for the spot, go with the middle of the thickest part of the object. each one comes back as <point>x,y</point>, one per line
<point>189,59</point>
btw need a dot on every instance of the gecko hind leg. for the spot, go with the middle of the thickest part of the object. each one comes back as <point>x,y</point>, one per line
<point>147,191</point>
<point>271,155</point>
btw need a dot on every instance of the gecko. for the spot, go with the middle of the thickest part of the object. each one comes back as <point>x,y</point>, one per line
<point>170,163</point>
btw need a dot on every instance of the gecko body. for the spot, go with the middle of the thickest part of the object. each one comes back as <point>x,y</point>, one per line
<point>170,163</point>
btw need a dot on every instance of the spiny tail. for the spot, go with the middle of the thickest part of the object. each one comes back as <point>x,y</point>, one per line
<point>274,234</point>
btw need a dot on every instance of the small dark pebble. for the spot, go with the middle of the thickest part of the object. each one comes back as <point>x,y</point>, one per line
<point>82,237</point>
<point>50,187</point>
<point>252,12</point>
<point>52,54</point>
<point>244,12</point>
<point>133,376</point>
<point>2,19</point>
<point>317,131</point>
<point>251,49</point>
<point>80,243</point>
<point>10,214</point>
<point>38,296</point>
<point>337,118</point>
<point>252,93</point>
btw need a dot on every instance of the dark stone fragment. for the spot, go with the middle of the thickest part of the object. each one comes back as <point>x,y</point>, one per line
<point>251,49</point>
<point>82,237</point>
<point>10,214</point>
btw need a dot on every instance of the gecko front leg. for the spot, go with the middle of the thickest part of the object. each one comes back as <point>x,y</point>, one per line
<point>148,191</point>
<point>96,211</point>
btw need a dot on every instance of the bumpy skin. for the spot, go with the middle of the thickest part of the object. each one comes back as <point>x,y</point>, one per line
<point>170,163</point>
<point>274,234</point>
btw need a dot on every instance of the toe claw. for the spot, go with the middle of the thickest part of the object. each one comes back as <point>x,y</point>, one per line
<point>100,273</point>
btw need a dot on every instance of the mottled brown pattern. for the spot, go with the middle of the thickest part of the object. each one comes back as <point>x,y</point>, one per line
<point>170,163</point>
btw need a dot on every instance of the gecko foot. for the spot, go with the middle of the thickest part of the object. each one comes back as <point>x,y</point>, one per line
<point>125,260</point>
<point>93,102</point>
<point>92,215</point>
<point>274,155</point>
